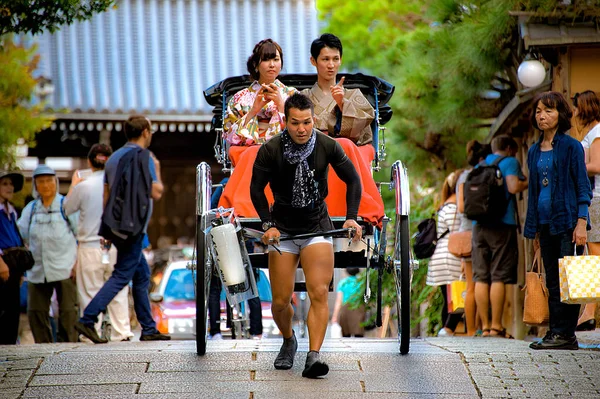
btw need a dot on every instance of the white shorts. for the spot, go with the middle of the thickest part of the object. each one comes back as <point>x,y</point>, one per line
<point>295,246</point>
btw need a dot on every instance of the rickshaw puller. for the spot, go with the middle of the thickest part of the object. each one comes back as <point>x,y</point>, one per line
<point>295,164</point>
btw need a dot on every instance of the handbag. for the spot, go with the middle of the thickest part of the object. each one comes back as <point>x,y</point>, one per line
<point>460,243</point>
<point>535,308</point>
<point>579,278</point>
<point>18,259</point>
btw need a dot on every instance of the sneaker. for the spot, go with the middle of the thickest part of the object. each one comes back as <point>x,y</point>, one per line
<point>285,358</point>
<point>216,337</point>
<point>90,333</point>
<point>556,341</point>
<point>314,366</point>
<point>155,337</point>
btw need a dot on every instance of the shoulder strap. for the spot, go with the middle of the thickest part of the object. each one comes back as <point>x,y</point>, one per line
<point>62,212</point>
<point>31,216</point>
<point>498,160</point>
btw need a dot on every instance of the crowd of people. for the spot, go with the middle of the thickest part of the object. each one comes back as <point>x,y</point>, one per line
<point>563,216</point>
<point>63,252</point>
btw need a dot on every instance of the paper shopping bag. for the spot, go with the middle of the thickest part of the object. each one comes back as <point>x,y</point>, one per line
<point>579,279</point>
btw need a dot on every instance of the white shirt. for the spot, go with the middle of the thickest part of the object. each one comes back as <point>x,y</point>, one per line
<point>587,141</point>
<point>87,198</point>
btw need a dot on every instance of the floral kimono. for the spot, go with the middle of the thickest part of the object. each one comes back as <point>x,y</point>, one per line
<point>257,130</point>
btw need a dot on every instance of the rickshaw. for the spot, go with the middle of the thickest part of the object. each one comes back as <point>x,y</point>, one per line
<point>372,255</point>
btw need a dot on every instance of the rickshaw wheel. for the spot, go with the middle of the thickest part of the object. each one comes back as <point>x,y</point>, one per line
<point>402,278</point>
<point>204,270</point>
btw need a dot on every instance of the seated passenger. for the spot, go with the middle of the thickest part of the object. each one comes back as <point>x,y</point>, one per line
<point>255,114</point>
<point>339,112</point>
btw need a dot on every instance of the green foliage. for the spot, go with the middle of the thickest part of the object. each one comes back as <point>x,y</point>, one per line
<point>26,16</point>
<point>18,119</point>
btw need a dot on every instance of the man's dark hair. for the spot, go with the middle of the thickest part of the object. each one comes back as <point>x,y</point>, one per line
<point>263,51</point>
<point>553,99</point>
<point>298,101</point>
<point>353,271</point>
<point>588,107</point>
<point>135,125</point>
<point>504,143</point>
<point>325,40</point>
<point>99,154</point>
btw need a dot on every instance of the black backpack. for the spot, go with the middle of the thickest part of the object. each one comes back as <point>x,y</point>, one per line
<point>484,194</point>
<point>426,239</point>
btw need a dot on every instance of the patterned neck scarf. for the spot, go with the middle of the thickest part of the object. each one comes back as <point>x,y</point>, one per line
<point>305,190</point>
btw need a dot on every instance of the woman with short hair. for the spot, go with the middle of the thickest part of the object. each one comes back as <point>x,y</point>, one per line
<point>557,209</point>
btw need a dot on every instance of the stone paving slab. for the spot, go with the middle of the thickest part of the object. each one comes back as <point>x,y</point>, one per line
<point>452,367</point>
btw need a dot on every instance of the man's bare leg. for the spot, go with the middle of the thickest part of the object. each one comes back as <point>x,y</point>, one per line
<point>317,262</point>
<point>497,295</point>
<point>282,272</point>
<point>482,301</point>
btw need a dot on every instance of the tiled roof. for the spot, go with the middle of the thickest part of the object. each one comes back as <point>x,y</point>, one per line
<point>157,56</point>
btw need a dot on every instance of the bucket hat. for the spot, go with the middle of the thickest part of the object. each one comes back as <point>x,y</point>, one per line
<point>43,170</point>
<point>16,177</point>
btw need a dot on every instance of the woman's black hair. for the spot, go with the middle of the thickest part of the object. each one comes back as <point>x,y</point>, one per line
<point>555,100</point>
<point>99,154</point>
<point>476,151</point>
<point>264,50</point>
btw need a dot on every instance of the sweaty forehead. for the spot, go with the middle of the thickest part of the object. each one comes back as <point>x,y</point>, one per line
<point>300,114</point>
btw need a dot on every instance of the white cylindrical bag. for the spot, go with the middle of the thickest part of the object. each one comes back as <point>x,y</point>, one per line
<point>229,256</point>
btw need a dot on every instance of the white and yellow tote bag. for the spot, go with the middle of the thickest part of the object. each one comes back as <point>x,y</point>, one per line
<point>579,279</point>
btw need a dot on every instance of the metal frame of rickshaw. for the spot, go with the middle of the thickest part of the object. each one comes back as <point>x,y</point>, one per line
<point>400,262</point>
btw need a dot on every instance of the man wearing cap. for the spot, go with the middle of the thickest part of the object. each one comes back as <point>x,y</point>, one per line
<point>10,280</point>
<point>50,235</point>
<point>94,262</point>
<point>132,173</point>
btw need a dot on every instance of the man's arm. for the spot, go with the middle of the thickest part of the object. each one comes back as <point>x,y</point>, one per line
<point>72,201</point>
<point>513,173</point>
<point>157,186</point>
<point>106,195</point>
<point>515,185</point>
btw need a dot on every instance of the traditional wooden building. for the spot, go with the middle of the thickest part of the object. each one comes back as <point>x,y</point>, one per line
<point>155,57</point>
<point>570,49</point>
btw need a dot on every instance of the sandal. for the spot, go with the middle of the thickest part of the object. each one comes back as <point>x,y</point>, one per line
<point>485,332</point>
<point>500,333</point>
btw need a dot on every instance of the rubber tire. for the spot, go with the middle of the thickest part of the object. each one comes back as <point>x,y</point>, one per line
<point>403,279</point>
<point>203,274</point>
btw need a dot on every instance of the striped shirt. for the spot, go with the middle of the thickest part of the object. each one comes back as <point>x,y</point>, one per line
<point>444,268</point>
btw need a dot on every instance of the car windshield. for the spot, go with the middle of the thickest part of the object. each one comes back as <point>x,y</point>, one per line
<point>180,286</point>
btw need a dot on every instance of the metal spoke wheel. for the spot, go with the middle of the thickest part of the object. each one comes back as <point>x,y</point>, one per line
<point>402,277</point>
<point>401,263</point>
<point>203,259</point>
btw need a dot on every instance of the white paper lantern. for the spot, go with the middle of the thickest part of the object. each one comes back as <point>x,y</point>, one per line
<point>531,73</point>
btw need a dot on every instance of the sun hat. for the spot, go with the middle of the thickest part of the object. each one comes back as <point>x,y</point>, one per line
<point>43,170</point>
<point>16,177</point>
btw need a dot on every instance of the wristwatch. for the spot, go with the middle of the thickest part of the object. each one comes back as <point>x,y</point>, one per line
<point>267,225</point>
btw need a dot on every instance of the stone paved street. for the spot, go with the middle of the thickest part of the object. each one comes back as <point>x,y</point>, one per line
<point>360,368</point>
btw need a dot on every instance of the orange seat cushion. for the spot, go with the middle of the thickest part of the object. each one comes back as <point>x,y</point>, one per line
<point>237,191</point>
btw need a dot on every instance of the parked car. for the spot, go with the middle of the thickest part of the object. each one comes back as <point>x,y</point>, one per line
<point>173,303</point>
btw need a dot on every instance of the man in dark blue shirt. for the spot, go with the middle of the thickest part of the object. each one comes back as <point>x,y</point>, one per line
<point>131,264</point>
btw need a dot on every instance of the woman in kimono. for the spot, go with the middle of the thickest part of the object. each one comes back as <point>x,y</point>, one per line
<point>255,114</point>
<point>339,112</point>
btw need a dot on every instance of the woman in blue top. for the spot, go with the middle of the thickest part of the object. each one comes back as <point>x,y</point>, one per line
<point>557,211</point>
<point>10,279</point>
